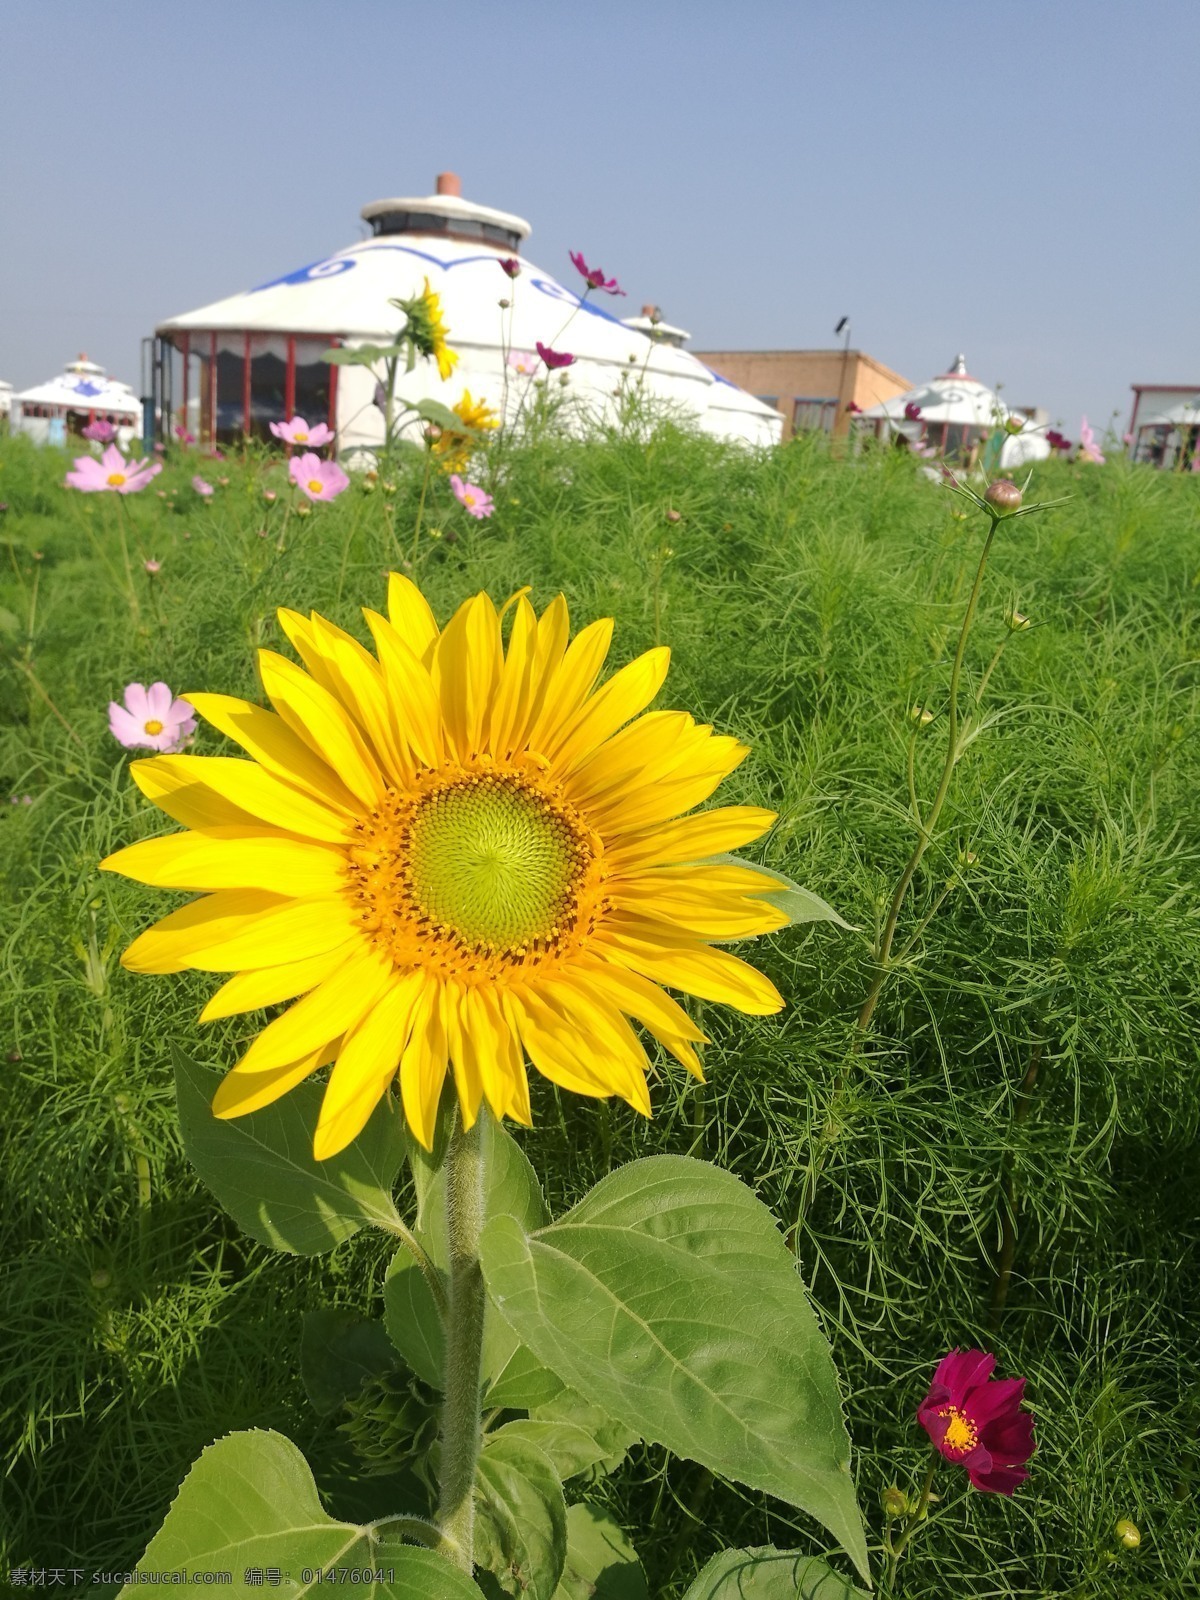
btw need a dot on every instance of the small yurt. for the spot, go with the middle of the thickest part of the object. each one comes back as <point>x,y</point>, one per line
<point>950,415</point>
<point>1170,438</point>
<point>82,393</point>
<point>6,394</point>
<point>232,368</point>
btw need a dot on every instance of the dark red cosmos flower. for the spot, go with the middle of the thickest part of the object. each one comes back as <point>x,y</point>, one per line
<point>554,358</point>
<point>855,411</point>
<point>510,266</point>
<point>593,276</point>
<point>912,412</point>
<point>977,1422</point>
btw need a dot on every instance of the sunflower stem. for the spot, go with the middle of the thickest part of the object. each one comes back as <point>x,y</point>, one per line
<point>464,1343</point>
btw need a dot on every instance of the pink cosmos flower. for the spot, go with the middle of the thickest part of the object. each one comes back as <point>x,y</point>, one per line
<point>100,432</point>
<point>184,436</point>
<point>152,566</point>
<point>472,498</point>
<point>523,361</point>
<point>297,431</point>
<point>1089,450</point>
<point>112,471</point>
<point>319,480</point>
<point>593,276</point>
<point>554,358</point>
<point>201,487</point>
<point>151,719</point>
<point>977,1422</point>
<point>510,266</point>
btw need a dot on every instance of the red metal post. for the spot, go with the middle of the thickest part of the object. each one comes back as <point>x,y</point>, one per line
<point>246,388</point>
<point>289,382</point>
<point>333,383</point>
<point>185,347</point>
<point>212,388</point>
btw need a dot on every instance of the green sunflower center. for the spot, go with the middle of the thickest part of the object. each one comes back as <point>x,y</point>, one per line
<point>494,863</point>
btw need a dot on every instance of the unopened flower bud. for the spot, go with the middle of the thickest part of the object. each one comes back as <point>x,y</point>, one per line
<point>101,1278</point>
<point>1017,622</point>
<point>388,488</point>
<point>504,304</point>
<point>895,1502</point>
<point>967,858</point>
<point>1003,496</point>
<point>1129,1533</point>
<point>563,379</point>
<point>1014,424</point>
<point>674,516</point>
<point>369,486</point>
<point>303,510</point>
<point>269,496</point>
<point>921,716</point>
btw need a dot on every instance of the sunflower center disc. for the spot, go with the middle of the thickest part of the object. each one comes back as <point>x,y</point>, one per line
<point>495,864</point>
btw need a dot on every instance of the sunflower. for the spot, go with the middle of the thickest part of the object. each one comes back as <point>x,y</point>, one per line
<point>453,857</point>
<point>453,450</point>
<point>427,330</point>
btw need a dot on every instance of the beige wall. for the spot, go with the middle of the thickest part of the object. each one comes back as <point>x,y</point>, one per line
<point>843,376</point>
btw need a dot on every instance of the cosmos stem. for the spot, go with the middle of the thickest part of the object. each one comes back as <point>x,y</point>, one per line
<point>464,1342</point>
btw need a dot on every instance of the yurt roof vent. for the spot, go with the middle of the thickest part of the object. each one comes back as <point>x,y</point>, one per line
<point>445,212</point>
<point>651,323</point>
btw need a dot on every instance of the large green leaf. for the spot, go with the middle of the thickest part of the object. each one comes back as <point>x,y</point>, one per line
<point>412,1319</point>
<point>521,1518</point>
<point>613,1438</point>
<point>770,1574</point>
<point>262,1170</point>
<point>668,1298</point>
<point>339,1351</point>
<point>798,903</point>
<point>601,1563</point>
<point>250,1503</point>
<point>569,1448</point>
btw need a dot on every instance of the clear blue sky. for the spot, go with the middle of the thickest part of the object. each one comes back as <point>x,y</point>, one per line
<point>1012,178</point>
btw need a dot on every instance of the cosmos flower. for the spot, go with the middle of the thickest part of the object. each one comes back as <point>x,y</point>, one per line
<point>472,498</point>
<point>151,719</point>
<point>854,410</point>
<point>297,431</point>
<point>201,487</point>
<point>554,358</point>
<point>510,266</point>
<point>99,432</point>
<point>1089,450</point>
<point>976,1421</point>
<point>453,450</point>
<point>184,437</point>
<point>593,276</point>
<point>523,361</point>
<point>111,472</point>
<point>319,480</point>
<point>427,330</point>
<point>912,412</point>
<point>462,857</point>
<point>152,566</point>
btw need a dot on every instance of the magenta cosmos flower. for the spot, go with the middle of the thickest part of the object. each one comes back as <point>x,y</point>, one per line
<point>593,276</point>
<point>297,431</point>
<point>319,480</point>
<point>912,411</point>
<point>151,719</point>
<point>510,266</point>
<point>976,1420</point>
<point>471,497</point>
<point>554,358</point>
<point>99,432</point>
<point>112,471</point>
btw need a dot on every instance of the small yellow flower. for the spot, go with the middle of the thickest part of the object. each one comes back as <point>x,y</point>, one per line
<point>453,450</point>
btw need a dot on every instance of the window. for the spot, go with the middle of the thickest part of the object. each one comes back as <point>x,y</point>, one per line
<point>813,415</point>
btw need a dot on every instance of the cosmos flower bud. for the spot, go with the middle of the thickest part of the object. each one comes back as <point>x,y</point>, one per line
<point>504,304</point>
<point>1017,621</point>
<point>1003,496</point>
<point>894,1502</point>
<point>674,516</point>
<point>1128,1533</point>
<point>921,716</point>
<point>1014,425</point>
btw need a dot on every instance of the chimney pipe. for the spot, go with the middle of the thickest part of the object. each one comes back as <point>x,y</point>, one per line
<point>449,183</point>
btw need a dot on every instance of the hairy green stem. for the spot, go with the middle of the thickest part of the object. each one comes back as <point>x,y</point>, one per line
<point>915,1517</point>
<point>464,1343</point>
<point>925,836</point>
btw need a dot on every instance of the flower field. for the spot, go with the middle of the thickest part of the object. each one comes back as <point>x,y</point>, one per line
<point>975,1118</point>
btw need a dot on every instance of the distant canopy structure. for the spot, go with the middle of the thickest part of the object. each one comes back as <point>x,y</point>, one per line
<point>232,368</point>
<point>1169,437</point>
<point>952,414</point>
<point>82,393</point>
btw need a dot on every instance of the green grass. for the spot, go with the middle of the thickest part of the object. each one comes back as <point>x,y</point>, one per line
<point>809,603</point>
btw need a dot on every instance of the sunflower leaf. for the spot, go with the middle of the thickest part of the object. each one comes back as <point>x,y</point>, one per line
<point>641,1299</point>
<point>339,1351</point>
<point>799,904</point>
<point>769,1574</point>
<point>521,1530</point>
<point>250,1502</point>
<point>261,1167</point>
<point>413,1321</point>
<point>601,1563</point>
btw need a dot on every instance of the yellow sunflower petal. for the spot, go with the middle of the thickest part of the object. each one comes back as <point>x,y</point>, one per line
<point>189,786</point>
<point>511,709</point>
<point>505,1080</point>
<point>366,1064</point>
<point>361,688</point>
<point>654,743</point>
<point>168,945</point>
<point>592,1018</point>
<point>571,681</point>
<point>660,801</point>
<point>465,1061</point>
<point>707,833</point>
<point>322,722</point>
<point>552,1048</point>
<point>423,1065</point>
<point>241,1092</point>
<point>411,692</point>
<point>466,670</point>
<point>236,928</point>
<point>411,616</point>
<point>268,986</point>
<point>626,694</point>
<point>302,638</point>
<point>335,1005</point>
<point>265,736</point>
<point>550,644</point>
<point>709,974</point>
<point>640,998</point>
<point>694,915</point>
<point>236,861</point>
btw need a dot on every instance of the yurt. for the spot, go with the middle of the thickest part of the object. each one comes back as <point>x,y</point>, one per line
<point>82,393</point>
<point>232,368</point>
<point>1170,438</point>
<point>952,414</point>
<point>6,394</point>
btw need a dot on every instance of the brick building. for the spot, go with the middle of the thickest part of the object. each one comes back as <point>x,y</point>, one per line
<point>812,389</point>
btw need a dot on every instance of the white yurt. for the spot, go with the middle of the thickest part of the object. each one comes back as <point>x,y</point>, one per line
<point>957,411</point>
<point>1161,438</point>
<point>236,366</point>
<point>6,394</point>
<point>82,393</point>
